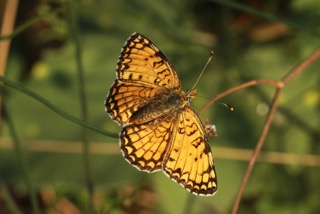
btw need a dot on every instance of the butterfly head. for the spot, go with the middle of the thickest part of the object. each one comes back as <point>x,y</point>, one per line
<point>190,94</point>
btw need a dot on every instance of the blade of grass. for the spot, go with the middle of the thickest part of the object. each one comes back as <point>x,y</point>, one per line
<point>11,205</point>
<point>22,162</point>
<point>73,25</point>
<point>54,108</point>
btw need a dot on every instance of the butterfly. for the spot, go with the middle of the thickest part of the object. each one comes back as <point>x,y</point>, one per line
<point>160,129</point>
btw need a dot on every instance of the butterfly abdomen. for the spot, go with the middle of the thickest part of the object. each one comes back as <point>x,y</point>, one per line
<point>168,103</point>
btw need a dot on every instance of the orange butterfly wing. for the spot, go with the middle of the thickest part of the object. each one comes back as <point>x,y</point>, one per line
<point>189,159</point>
<point>143,71</point>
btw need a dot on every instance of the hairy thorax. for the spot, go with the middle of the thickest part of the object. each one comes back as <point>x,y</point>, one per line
<point>169,102</point>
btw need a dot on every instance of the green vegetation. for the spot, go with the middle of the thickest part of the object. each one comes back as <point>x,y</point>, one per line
<point>261,40</point>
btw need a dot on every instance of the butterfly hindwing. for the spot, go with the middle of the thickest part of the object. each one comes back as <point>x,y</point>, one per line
<point>145,145</point>
<point>189,159</point>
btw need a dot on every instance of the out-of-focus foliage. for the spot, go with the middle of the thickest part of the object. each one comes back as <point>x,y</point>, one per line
<point>246,46</point>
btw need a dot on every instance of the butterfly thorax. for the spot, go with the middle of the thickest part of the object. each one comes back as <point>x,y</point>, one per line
<point>167,103</point>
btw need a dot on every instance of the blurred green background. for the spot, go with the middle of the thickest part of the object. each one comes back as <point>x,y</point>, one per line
<point>250,40</point>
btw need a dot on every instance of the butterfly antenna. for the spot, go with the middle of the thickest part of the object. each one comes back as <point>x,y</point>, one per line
<point>206,98</point>
<point>204,68</point>
<point>228,106</point>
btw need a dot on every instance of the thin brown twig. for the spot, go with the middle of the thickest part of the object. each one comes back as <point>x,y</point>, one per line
<point>277,84</point>
<point>238,87</point>
<point>7,18</point>
<point>294,72</point>
<point>257,150</point>
<point>301,66</point>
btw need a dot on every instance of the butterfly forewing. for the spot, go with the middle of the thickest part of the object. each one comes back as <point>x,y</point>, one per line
<point>124,99</point>
<point>143,72</point>
<point>142,62</point>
